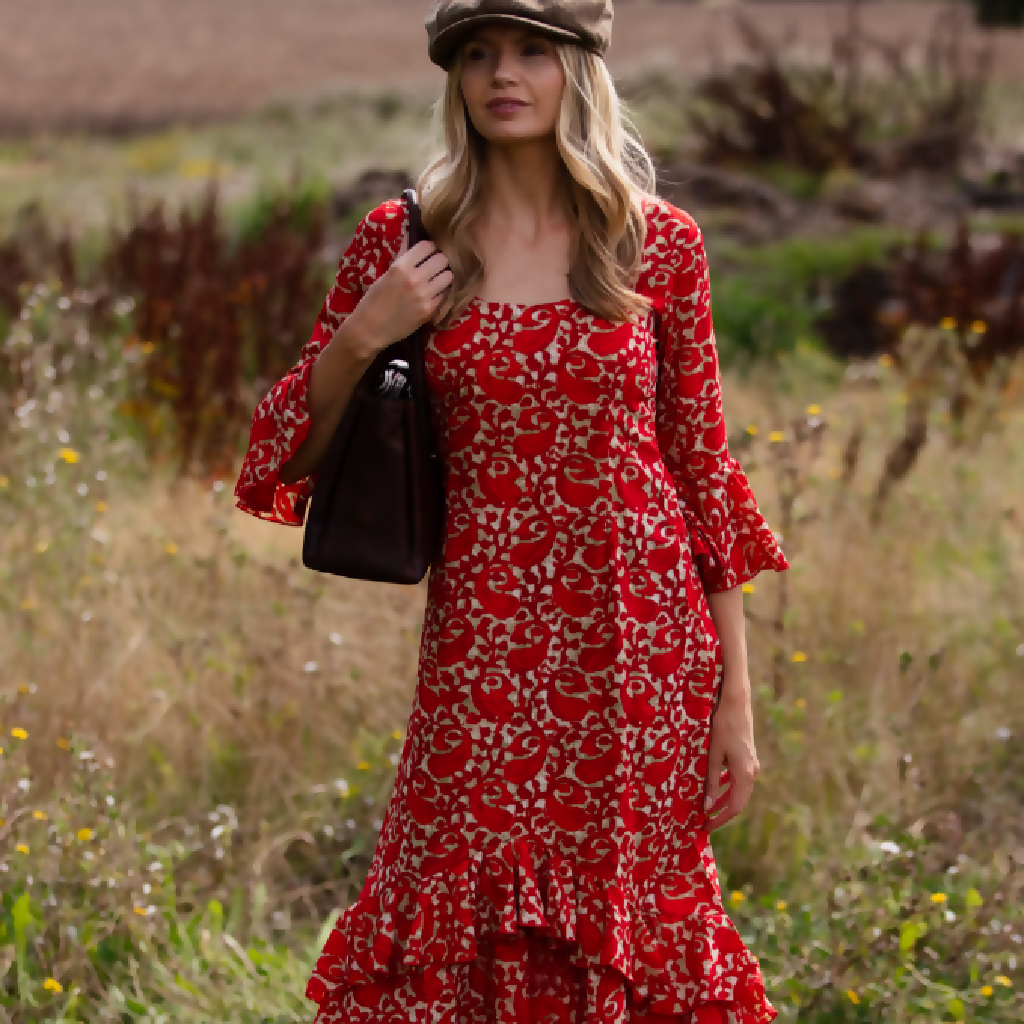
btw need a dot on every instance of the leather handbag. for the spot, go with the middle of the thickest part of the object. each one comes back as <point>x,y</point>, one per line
<point>377,509</point>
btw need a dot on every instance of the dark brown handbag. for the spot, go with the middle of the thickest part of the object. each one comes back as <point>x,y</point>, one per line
<point>378,507</point>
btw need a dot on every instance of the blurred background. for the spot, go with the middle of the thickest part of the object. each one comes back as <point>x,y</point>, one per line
<point>199,736</point>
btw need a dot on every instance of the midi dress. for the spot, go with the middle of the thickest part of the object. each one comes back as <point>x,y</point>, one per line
<point>544,858</point>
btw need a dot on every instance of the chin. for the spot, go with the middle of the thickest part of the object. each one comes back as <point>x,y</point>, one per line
<point>516,133</point>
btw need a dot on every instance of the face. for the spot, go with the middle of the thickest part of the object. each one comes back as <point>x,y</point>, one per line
<point>512,82</point>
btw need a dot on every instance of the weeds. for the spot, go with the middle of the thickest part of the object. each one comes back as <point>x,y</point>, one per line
<point>210,316</point>
<point>244,717</point>
<point>868,107</point>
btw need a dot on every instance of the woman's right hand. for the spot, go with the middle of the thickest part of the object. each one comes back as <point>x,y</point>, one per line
<point>402,300</point>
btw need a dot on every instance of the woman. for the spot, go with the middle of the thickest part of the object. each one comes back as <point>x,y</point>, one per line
<point>545,855</point>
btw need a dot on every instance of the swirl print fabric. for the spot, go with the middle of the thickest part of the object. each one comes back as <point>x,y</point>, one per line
<point>544,855</point>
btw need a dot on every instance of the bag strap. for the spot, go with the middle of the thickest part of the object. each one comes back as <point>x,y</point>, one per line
<point>417,233</point>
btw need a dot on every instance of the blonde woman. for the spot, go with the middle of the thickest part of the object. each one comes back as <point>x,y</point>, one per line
<point>582,716</point>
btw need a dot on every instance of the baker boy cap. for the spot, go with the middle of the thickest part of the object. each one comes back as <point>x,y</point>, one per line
<point>588,23</point>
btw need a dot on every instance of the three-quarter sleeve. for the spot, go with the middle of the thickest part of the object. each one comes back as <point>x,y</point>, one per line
<point>281,420</point>
<point>730,539</point>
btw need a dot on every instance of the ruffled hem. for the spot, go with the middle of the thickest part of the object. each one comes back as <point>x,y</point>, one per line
<point>673,957</point>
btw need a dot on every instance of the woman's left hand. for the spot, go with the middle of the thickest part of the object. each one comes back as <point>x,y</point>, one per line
<point>732,746</point>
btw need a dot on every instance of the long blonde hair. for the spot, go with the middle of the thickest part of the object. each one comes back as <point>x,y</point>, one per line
<point>608,174</point>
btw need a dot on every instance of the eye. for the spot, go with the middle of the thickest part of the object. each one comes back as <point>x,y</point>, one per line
<point>476,52</point>
<point>534,50</point>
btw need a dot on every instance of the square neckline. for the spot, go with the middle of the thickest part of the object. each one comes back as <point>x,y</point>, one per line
<point>525,306</point>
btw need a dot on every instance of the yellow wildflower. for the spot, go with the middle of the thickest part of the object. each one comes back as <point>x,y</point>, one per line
<point>799,656</point>
<point>28,604</point>
<point>69,455</point>
<point>397,734</point>
<point>979,327</point>
<point>23,688</point>
<point>737,897</point>
<point>171,548</point>
<point>752,430</point>
<point>21,848</point>
<point>885,360</point>
<point>4,481</point>
<point>53,986</point>
<point>148,347</point>
<point>85,834</point>
<point>19,734</point>
<point>749,588</point>
<point>1002,979</point>
<point>141,911</point>
<point>987,990</point>
<point>775,436</point>
<point>101,506</point>
<point>814,410</point>
<point>939,897</point>
<point>948,323</point>
<point>63,743</point>
<point>852,996</point>
<point>42,546</point>
<point>781,905</point>
<point>363,765</point>
<point>800,702</point>
<point>39,815</point>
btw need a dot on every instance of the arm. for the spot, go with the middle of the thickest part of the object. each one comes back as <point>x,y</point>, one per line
<point>730,540</point>
<point>732,731</point>
<point>382,293</point>
<point>333,377</point>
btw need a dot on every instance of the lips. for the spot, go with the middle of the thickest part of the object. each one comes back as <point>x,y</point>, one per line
<point>505,104</point>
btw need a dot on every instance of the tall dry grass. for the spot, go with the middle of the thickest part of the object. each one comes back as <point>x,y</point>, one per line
<point>243,715</point>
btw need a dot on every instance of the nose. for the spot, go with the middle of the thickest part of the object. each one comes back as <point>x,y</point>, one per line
<point>505,67</point>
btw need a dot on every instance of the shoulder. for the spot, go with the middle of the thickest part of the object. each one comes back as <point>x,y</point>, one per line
<point>673,241</point>
<point>376,242</point>
<point>385,222</point>
<point>388,217</point>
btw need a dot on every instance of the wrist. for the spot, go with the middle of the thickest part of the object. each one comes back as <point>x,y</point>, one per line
<point>368,334</point>
<point>735,689</point>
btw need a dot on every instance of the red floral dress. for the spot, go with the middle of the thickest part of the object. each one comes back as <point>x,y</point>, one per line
<point>543,857</point>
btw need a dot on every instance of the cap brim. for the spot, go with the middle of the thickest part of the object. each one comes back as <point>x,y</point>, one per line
<point>442,49</point>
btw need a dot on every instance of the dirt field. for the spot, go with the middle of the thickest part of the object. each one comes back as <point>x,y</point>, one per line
<point>122,64</point>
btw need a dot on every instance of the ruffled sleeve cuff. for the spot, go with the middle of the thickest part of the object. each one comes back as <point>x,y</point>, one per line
<point>729,538</point>
<point>279,425</point>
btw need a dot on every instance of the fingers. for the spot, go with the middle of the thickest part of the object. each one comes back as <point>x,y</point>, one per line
<point>422,251</point>
<point>740,790</point>
<point>716,764</point>
<point>436,264</point>
<point>442,283</point>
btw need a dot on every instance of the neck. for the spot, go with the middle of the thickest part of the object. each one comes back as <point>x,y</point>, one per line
<point>524,189</point>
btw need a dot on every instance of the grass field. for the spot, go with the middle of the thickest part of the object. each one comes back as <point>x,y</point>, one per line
<point>199,736</point>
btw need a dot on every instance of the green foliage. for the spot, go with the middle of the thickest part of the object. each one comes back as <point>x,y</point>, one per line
<point>100,920</point>
<point>893,933</point>
<point>302,202</point>
<point>767,299</point>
